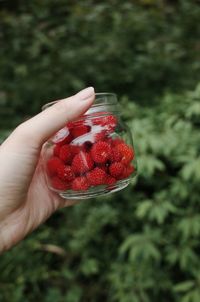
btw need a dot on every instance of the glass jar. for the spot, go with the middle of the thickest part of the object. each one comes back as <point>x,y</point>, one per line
<point>93,155</point>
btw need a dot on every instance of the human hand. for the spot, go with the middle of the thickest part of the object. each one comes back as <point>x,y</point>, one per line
<point>25,200</point>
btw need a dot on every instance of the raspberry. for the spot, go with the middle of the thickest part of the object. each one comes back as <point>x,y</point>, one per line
<point>126,152</point>
<point>117,141</point>
<point>80,184</point>
<point>96,177</point>
<point>86,146</point>
<point>101,152</point>
<point>66,140</point>
<point>65,173</point>
<point>62,137</point>
<point>127,172</point>
<point>116,169</point>
<point>110,180</point>
<point>103,167</point>
<point>116,156</point>
<point>56,150</point>
<point>70,125</point>
<point>73,124</point>
<point>82,162</point>
<point>53,164</point>
<point>65,154</point>
<point>75,149</point>
<point>58,184</point>
<point>109,122</point>
<point>79,130</point>
<point>100,136</point>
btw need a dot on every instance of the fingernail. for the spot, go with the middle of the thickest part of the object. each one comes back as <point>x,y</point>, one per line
<point>86,93</point>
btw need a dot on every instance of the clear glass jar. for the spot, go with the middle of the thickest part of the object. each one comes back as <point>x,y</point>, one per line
<point>93,155</point>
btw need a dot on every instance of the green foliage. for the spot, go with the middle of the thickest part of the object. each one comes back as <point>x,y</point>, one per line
<point>141,244</point>
<point>50,49</point>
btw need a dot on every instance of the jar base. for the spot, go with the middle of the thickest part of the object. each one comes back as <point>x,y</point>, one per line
<point>94,192</point>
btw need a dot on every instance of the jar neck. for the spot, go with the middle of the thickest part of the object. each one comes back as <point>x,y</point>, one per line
<point>105,103</point>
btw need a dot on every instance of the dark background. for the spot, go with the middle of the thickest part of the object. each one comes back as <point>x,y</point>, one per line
<point>143,243</point>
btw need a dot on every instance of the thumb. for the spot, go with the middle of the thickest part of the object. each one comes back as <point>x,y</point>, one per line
<point>38,129</point>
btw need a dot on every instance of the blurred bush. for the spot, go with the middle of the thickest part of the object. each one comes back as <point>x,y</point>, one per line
<point>139,48</point>
<point>141,244</point>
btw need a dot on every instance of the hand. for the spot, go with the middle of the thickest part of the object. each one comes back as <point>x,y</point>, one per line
<point>25,200</point>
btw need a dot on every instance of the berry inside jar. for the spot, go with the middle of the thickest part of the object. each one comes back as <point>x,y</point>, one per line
<point>89,157</point>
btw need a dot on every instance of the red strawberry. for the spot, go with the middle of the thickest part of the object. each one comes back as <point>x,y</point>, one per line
<point>100,136</point>
<point>126,152</point>
<point>70,125</point>
<point>73,124</point>
<point>56,150</point>
<point>65,173</point>
<point>110,180</point>
<point>52,165</point>
<point>109,122</point>
<point>58,184</point>
<point>80,184</point>
<point>66,140</point>
<point>117,141</point>
<point>65,154</point>
<point>86,146</point>
<point>79,130</point>
<point>103,167</point>
<point>62,137</point>
<point>116,169</point>
<point>96,177</point>
<point>127,172</point>
<point>101,152</point>
<point>82,162</point>
<point>75,149</point>
<point>116,156</point>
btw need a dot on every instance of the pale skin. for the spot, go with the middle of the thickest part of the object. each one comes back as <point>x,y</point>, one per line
<point>25,200</point>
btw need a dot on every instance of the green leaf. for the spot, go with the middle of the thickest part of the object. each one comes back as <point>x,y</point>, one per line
<point>184,286</point>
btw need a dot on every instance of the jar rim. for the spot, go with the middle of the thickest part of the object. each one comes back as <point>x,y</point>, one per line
<point>105,93</point>
<point>97,94</point>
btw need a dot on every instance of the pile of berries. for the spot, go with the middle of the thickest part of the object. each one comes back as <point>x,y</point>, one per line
<point>85,154</point>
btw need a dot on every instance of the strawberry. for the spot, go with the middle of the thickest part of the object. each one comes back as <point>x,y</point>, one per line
<point>56,150</point>
<point>117,141</point>
<point>116,156</point>
<point>127,172</point>
<point>86,146</point>
<point>126,152</point>
<point>73,124</point>
<point>62,137</point>
<point>75,149</point>
<point>65,154</point>
<point>70,125</point>
<point>110,180</point>
<point>96,177</point>
<point>80,184</point>
<point>116,169</point>
<point>101,152</point>
<point>108,122</point>
<point>79,130</point>
<point>58,184</point>
<point>65,173</point>
<point>103,167</point>
<point>100,136</point>
<point>82,162</point>
<point>52,165</point>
